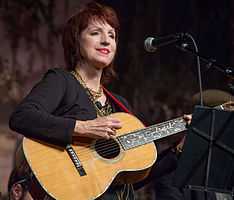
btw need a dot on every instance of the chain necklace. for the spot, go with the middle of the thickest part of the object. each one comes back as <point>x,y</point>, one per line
<point>105,110</point>
<point>96,94</point>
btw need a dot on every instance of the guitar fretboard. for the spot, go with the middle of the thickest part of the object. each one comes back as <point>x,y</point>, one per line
<point>151,133</point>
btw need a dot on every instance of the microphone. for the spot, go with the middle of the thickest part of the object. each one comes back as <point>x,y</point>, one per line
<point>153,43</point>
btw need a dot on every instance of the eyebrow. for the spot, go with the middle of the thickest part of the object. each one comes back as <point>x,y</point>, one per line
<point>99,28</point>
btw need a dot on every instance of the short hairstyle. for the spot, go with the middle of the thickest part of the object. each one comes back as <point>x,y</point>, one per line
<point>16,177</point>
<point>77,23</point>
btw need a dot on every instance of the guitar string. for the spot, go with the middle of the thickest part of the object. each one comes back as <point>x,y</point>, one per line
<point>107,151</point>
<point>104,148</point>
<point>147,128</point>
<point>101,146</point>
<point>85,160</point>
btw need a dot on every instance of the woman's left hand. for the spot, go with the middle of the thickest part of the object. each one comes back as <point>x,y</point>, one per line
<point>188,119</point>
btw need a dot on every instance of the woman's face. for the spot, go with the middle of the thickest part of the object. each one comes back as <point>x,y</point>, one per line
<point>98,44</point>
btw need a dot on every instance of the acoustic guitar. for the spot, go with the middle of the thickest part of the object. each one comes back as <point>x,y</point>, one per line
<point>85,170</point>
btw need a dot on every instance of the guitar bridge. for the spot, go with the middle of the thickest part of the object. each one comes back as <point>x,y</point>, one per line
<point>75,160</point>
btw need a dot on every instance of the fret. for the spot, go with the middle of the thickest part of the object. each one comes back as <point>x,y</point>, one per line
<point>151,133</point>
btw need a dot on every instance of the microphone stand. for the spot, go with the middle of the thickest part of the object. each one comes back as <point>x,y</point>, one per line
<point>210,63</point>
<point>227,71</point>
<point>195,52</point>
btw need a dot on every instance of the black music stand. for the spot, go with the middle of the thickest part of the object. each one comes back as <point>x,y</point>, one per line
<point>207,161</point>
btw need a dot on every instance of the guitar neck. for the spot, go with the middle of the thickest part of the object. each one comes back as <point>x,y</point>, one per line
<point>152,133</point>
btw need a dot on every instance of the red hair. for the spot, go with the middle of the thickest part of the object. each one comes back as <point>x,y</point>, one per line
<point>77,23</point>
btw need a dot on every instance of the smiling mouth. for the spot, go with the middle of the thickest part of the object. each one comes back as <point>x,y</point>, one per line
<point>104,51</point>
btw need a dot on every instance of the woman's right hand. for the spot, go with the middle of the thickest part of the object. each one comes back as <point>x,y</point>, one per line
<point>99,128</point>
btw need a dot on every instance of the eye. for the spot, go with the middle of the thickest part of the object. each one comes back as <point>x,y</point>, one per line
<point>112,35</point>
<point>94,33</point>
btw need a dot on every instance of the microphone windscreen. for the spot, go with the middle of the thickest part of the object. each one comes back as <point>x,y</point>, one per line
<point>149,44</point>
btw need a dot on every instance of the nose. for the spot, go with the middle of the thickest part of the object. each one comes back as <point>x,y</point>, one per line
<point>105,39</point>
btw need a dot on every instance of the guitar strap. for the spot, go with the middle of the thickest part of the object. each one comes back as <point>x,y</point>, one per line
<point>117,102</point>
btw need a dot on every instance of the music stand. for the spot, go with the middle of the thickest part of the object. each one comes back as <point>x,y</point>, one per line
<point>207,161</point>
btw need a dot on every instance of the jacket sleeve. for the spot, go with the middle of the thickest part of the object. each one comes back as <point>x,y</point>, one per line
<point>34,116</point>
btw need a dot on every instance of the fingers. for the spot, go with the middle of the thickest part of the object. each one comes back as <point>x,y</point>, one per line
<point>108,136</point>
<point>111,122</point>
<point>102,127</point>
<point>188,119</point>
<point>108,126</point>
<point>108,133</point>
<point>105,134</point>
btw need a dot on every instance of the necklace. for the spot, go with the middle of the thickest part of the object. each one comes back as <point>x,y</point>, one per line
<point>105,110</point>
<point>95,94</point>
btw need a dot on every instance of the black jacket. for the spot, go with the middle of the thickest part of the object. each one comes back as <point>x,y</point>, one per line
<point>50,110</point>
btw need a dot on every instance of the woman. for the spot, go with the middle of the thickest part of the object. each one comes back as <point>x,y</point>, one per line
<point>67,104</point>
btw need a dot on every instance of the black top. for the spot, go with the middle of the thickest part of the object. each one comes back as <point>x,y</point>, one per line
<point>50,110</point>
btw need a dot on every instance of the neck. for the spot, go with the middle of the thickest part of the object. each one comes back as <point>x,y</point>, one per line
<point>90,75</point>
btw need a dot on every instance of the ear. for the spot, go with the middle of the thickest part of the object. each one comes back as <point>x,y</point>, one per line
<point>16,191</point>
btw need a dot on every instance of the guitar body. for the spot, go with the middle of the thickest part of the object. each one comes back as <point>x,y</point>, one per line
<point>60,179</point>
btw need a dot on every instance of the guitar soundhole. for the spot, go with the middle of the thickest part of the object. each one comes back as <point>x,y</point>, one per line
<point>107,148</point>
